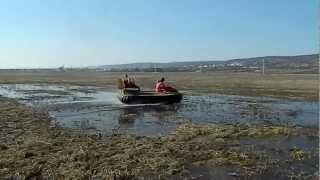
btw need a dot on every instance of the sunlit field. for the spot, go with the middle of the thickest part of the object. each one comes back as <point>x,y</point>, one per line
<point>294,86</point>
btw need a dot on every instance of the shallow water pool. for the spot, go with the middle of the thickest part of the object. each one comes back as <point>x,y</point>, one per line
<point>97,110</point>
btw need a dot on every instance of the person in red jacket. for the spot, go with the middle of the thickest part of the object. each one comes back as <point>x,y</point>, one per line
<point>162,87</point>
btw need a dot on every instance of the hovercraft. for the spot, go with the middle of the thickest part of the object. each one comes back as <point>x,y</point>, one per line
<point>135,96</point>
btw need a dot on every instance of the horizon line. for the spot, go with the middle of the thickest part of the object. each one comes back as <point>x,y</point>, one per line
<point>151,62</point>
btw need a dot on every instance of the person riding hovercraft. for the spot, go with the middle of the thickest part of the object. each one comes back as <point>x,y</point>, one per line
<point>162,87</point>
<point>129,82</point>
<point>130,93</point>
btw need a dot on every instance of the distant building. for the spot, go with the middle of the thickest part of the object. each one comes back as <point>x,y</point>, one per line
<point>235,64</point>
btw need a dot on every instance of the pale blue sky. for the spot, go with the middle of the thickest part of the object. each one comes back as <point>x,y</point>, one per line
<point>51,33</point>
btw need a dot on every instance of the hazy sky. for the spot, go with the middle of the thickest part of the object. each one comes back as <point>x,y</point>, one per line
<point>51,33</point>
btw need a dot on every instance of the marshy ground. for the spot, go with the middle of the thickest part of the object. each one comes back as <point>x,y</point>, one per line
<point>33,146</point>
<point>292,86</point>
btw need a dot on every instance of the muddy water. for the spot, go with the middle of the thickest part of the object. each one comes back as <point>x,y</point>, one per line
<point>92,110</point>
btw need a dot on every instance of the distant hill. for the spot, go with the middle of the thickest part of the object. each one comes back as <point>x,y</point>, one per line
<point>157,65</point>
<point>281,61</point>
<point>301,62</point>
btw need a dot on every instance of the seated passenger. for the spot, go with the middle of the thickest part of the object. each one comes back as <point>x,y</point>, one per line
<point>126,81</point>
<point>129,83</point>
<point>162,87</point>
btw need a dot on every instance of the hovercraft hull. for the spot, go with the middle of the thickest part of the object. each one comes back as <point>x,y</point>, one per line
<point>149,97</point>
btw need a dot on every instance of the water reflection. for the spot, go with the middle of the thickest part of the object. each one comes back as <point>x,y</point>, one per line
<point>148,120</point>
<point>128,116</point>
